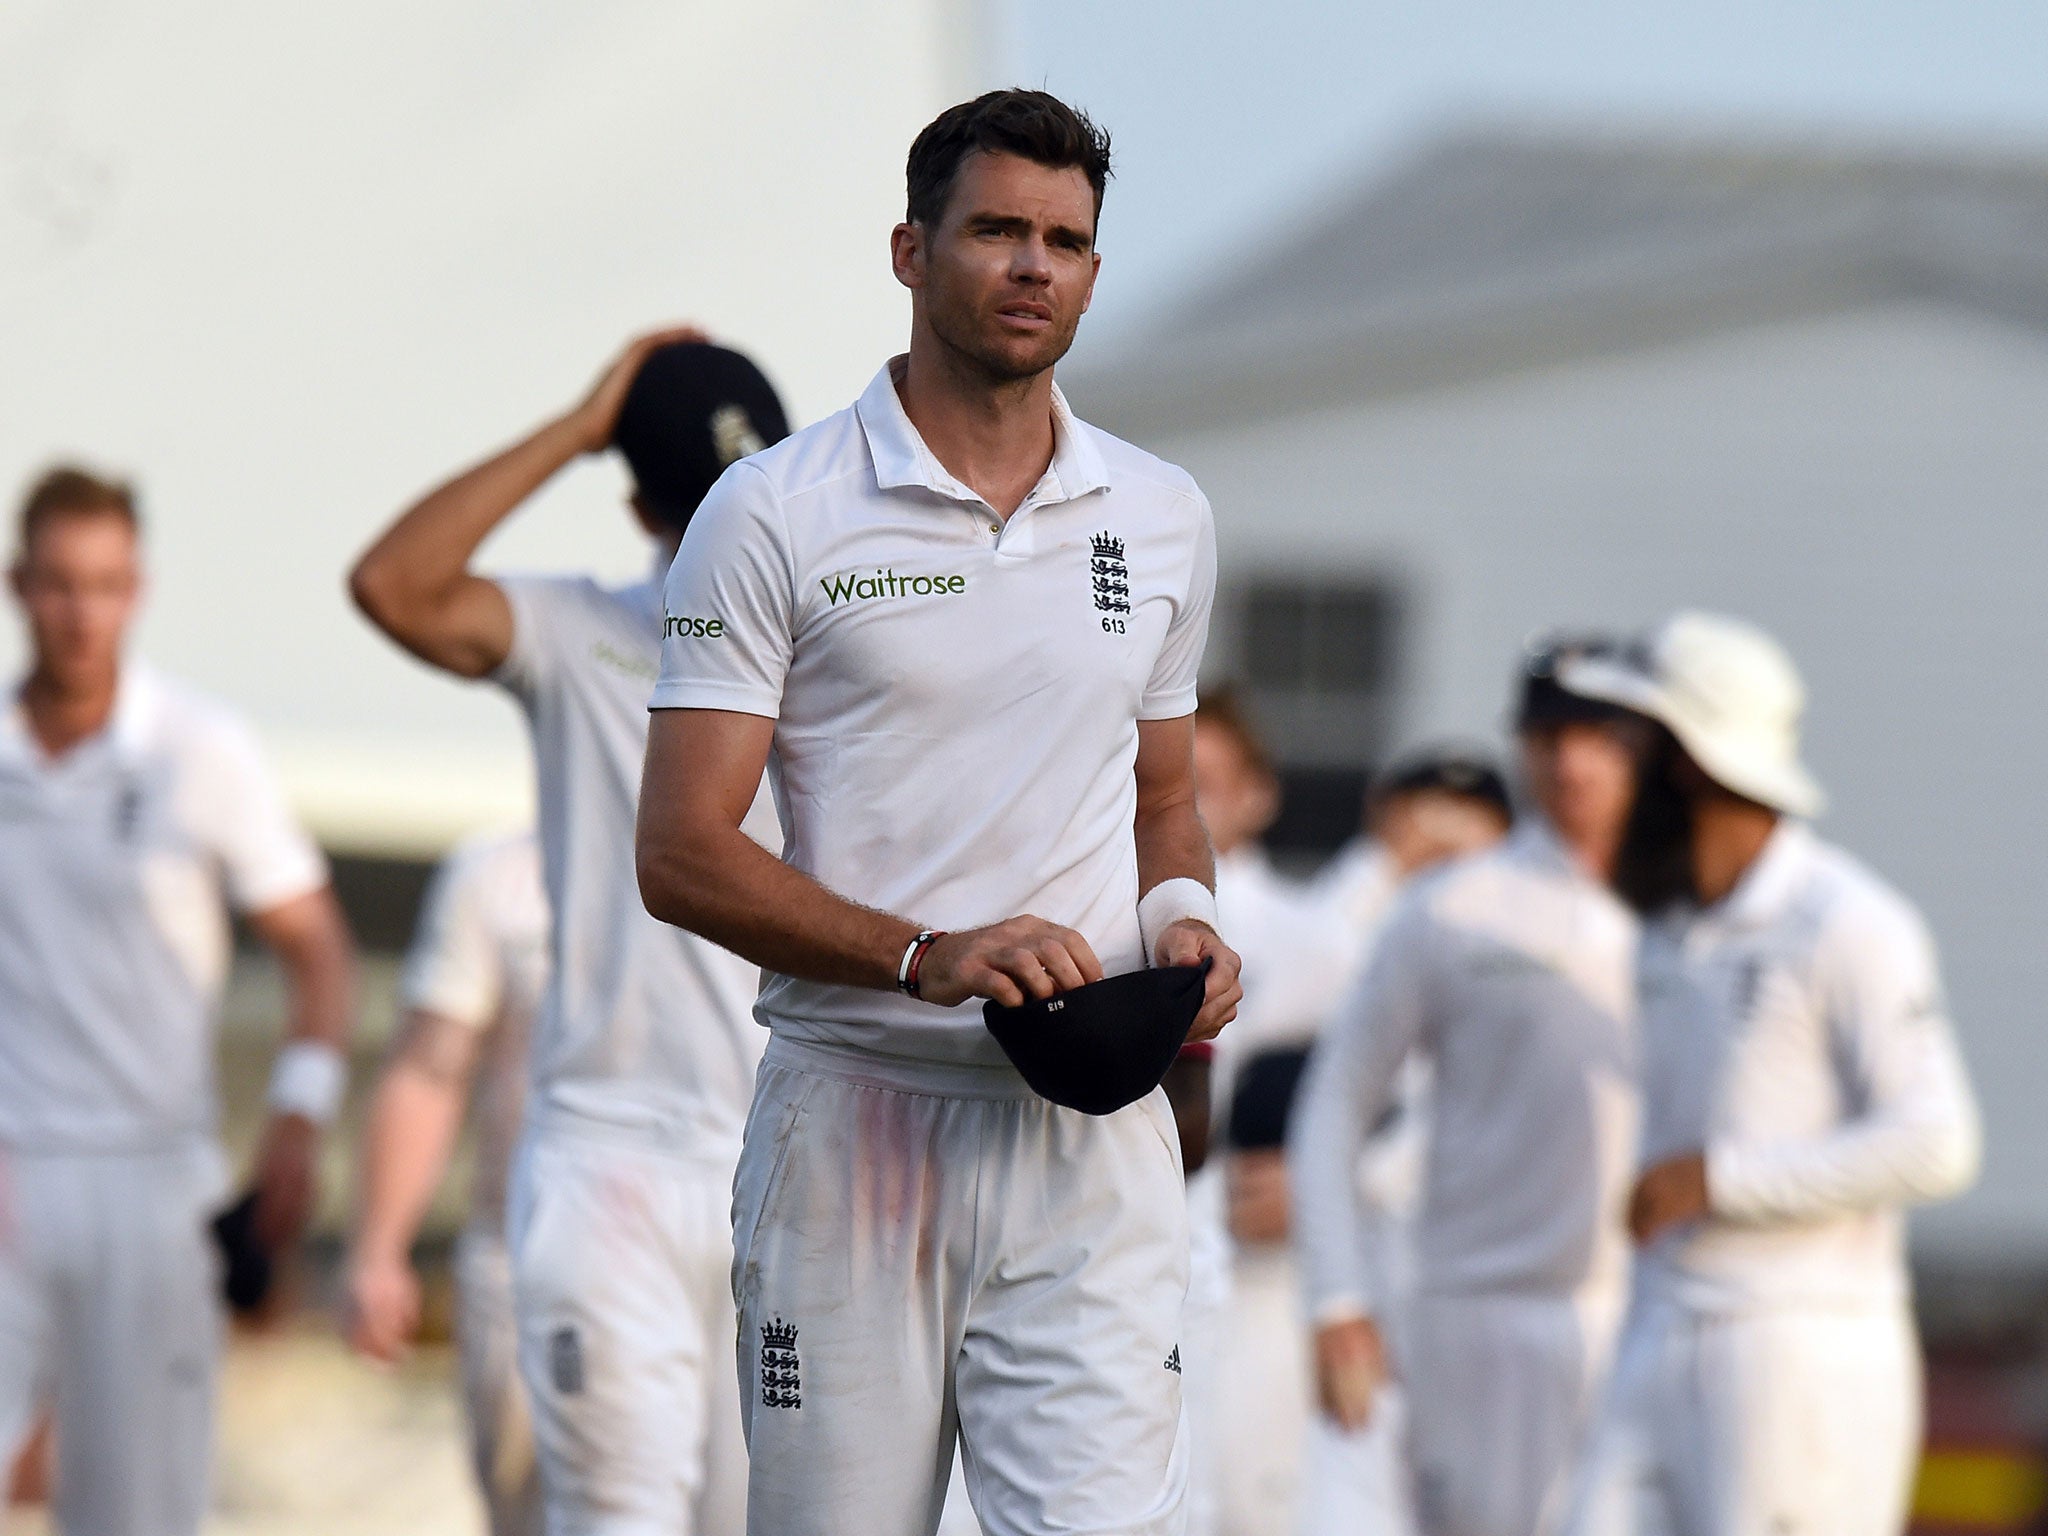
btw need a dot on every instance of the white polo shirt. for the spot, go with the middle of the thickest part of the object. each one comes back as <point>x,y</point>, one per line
<point>479,959</point>
<point>956,698</point>
<point>1796,1032</point>
<point>645,1031</point>
<point>118,861</point>
<point>1512,971</point>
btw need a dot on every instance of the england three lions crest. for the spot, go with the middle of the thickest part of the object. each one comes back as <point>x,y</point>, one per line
<point>1109,579</point>
<point>782,1384</point>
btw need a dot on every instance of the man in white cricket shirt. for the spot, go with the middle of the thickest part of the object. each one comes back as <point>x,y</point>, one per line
<point>1802,1086</point>
<point>963,628</point>
<point>1512,972</point>
<point>472,985</point>
<point>133,813</point>
<point>644,1050</point>
<point>1427,806</point>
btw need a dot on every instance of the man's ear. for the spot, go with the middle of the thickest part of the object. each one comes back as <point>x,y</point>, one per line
<point>907,253</point>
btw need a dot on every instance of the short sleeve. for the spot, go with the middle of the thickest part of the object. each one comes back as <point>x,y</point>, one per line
<point>728,605</point>
<point>543,615</point>
<point>1171,691</point>
<point>455,965</point>
<point>266,856</point>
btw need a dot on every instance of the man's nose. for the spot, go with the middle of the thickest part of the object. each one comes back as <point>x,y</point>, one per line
<point>1032,262</point>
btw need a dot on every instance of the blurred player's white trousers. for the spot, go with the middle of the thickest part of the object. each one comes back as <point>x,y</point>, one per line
<point>1356,1484</point>
<point>621,1269</point>
<point>493,1397</point>
<point>1791,1423</point>
<point>1501,1392</point>
<point>110,1304</point>
<point>929,1252</point>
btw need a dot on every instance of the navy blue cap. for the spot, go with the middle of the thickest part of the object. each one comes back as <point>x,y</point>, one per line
<point>1099,1047</point>
<point>693,411</point>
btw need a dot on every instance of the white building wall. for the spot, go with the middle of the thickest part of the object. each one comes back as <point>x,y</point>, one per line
<point>287,264</point>
<point>1872,487</point>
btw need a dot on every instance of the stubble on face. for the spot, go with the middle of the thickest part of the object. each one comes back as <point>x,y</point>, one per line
<point>1010,267</point>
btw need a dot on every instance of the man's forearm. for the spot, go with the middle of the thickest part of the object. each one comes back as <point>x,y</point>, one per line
<point>737,894</point>
<point>1173,845</point>
<point>320,975</point>
<point>413,1122</point>
<point>409,575</point>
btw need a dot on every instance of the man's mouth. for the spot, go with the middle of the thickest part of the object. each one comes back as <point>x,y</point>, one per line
<point>1026,315</point>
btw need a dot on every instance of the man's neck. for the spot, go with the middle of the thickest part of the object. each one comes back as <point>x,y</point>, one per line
<point>1593,855</point>
<point>993,436</point>
<point>1728,836</point>
<point>61,715</point>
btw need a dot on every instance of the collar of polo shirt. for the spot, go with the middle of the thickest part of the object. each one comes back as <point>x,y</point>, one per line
<point>902,459</point>
<point>135,699</point>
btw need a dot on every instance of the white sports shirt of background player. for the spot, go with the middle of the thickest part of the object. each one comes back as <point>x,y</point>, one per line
<point>606,1047</point>
<point>1517,1194</point>
<point>1798,1033</point>
<point>117,864</point>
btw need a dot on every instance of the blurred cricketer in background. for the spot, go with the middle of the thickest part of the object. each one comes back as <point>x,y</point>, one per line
<point>644,1051</point>
<point>133,813</point>
<point>472,985</point>
<point>1512,973</point>
<point>1802,1086</point>
<point>966,625</point>
<point>1250,1402</point>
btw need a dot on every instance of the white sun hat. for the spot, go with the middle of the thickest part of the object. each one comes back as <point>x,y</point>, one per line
<point>1728,692</point>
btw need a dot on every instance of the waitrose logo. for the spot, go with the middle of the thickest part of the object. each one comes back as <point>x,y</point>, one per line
<point>886,583</point>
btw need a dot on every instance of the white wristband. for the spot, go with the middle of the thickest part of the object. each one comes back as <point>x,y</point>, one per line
<point>308,1078</point>
<point>1170,902</point>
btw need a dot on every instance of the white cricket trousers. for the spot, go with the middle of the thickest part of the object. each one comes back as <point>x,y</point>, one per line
<point>110,1304</point>
<point>493,1398</point>
<point>928,1253</point>
<point>1501,1390</point>
<point>621,1275</point>
<point>1793,1423</point>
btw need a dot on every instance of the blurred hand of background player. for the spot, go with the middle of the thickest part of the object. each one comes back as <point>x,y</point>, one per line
<point>383,1305</point>
<point>1189,942</point>
<point>1007,962</point>
<point>287,1180</point>
<point>596,416</point>
<point>1256,1199</point>
<point>1668,1195</point>
<point>1351,1367</point>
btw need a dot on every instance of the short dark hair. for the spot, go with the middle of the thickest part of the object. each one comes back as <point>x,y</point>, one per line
<point>1035,125</point>
<point>69,491</point>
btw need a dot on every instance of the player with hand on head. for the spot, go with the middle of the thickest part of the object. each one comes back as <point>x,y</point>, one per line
<point>1802,1086</point>
<point>1511,973</point>
<point>644,1050</point>
<point>964,628</point>
<point>133,813</point>
<point>471,987</point>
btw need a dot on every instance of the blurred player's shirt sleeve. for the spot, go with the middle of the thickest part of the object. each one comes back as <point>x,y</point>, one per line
<point>729,606</point>
<point>1353,1078</point>
<point>1170,691</point>
<point>1907,1129</point>
<point>454,968</point>
<point>266,856</point>
<point>540,606</point>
